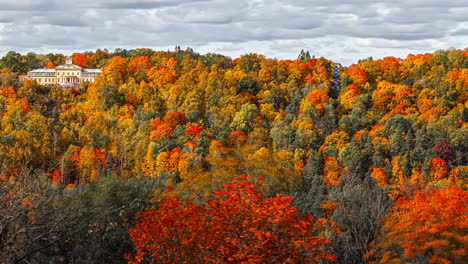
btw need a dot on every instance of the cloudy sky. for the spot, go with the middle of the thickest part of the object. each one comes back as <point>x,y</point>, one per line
<point>341,30</point>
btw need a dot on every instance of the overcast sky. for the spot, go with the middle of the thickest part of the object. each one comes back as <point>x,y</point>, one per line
<point>341,30</point>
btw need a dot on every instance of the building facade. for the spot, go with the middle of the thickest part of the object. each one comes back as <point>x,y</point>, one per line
<point>66,75</point>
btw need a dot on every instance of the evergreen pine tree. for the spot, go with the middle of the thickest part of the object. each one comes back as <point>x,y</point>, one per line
<point>302,55</point>
<point>108,166</point>
<point>378,157</point>
<point>396,143</point>
<point>311,198</point>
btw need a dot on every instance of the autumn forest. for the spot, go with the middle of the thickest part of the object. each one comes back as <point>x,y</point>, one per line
<point>178,157</point>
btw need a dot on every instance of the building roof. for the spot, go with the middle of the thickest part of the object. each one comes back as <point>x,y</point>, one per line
<point>68,67</point>
<point>42,72</point>
<point>92,70</point>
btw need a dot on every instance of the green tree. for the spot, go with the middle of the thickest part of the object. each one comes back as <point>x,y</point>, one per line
<point>243,120</point>
<point>304,56</point>
<point>310,199</point>
<point>12,60</point>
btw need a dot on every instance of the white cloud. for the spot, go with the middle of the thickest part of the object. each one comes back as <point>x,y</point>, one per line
<point>431,44</point>
<point>277,28</point>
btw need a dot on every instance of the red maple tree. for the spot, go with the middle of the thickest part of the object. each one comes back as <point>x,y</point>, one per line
<point>237,226</point>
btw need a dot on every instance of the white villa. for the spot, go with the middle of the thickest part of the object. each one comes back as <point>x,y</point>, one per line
<point>66,75</point>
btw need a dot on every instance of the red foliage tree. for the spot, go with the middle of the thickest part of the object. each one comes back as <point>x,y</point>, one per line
<point>175,118</point>
<point>237,136</point>
<point>444,150</point>
<point>237,226</point>
<point>193,130</point>
<point>56,177</point>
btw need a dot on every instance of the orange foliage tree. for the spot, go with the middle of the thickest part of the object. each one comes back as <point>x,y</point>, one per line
<point>389,96</point>
<point>50,65</point>
<point>350,96</point>
<point>380,175</point>
<point>80,59</point>
<point>458,77</point>
<point>140,63</point>
<point>237,226</point>
<point>160,129</point>
<point>115,70</point>
<point>165,127</point>
<point>431,227</point>
<point>316,97</point>
<point>357,75</point>
<point>439,169</point>
<point>332,171</point>
<point>391,69</point>
<point>139,66</point>
<point>163,74</point>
